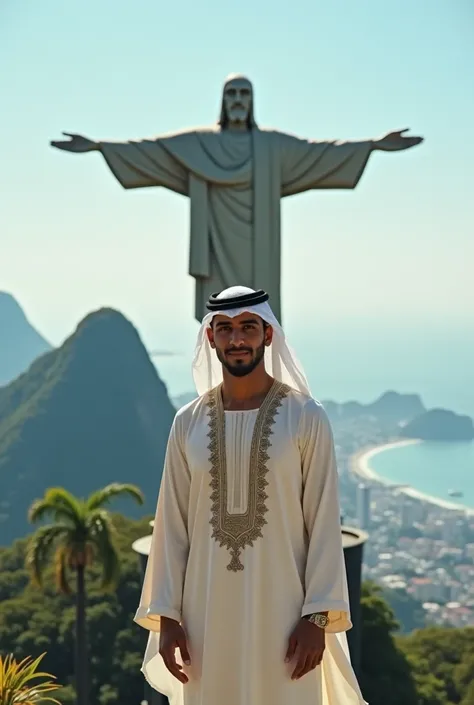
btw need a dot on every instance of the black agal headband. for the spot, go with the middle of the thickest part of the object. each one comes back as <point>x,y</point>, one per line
<point>250,299</point>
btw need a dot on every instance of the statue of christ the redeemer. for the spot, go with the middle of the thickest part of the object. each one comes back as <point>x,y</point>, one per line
<point>235,175</point>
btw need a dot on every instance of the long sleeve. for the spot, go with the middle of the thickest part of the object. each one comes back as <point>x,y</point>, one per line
<point>325,577</point>
<point>307,164</point>
<point>162,592</point>
<point>145,163</point>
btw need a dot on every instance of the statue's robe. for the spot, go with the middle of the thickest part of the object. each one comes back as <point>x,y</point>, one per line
<point>235,182</point>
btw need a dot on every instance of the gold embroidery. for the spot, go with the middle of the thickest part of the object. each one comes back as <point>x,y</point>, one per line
<point>236,531</point>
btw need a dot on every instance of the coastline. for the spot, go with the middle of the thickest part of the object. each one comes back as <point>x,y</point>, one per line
<point>359,465</point>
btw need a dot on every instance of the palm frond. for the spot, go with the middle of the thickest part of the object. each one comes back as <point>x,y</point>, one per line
<point>16,682</point>
<point>41,546</point>
<point>57,503</point>
<point>61,560</point>
<point>101,535</point>
<point>107,494</point>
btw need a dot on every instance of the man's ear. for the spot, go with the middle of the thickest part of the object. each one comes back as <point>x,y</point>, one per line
<point>268,335</point>
<point>210,337</point>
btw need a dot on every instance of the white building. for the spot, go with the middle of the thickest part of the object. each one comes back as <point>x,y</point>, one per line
<point>363,506</point>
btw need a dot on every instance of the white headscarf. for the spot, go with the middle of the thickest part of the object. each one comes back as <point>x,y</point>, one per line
<point>280,361</point>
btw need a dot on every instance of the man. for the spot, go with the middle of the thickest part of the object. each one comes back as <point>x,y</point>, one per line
<point>235,175</point>
<point>245,591</point>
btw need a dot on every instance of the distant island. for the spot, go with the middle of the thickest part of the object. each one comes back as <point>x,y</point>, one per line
<point>439,425</point>
<point>390,409</point>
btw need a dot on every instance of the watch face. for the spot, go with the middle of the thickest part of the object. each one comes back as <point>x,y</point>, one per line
<point>320,620</point>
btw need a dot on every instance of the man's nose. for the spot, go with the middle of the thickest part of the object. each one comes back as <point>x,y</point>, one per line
<point>237,338</point>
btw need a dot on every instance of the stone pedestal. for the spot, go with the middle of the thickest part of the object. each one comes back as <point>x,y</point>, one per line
<point>353,542</point>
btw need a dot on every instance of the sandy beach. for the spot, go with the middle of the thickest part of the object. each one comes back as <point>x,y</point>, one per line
<point>360,465</point>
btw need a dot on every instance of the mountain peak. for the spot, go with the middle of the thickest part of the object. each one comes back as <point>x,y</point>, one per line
<point>106,327</point>
<point>21,342</point>
<point>91,412</point>
<point>9,306</point>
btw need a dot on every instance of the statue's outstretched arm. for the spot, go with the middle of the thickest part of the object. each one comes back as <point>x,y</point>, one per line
<point>77,143</point>
<point>134,164</point>
<point>396,141</point>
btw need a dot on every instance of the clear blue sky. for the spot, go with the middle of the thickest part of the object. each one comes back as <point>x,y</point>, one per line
<point>71,240</point>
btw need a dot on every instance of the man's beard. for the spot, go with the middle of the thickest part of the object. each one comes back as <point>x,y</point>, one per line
<point>240,368</point>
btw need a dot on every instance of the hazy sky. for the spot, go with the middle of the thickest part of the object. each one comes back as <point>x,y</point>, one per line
<point>400,246</point>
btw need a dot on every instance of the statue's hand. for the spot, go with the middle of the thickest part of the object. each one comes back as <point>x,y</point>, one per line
<point>395,141</point>
<point>77,143</point>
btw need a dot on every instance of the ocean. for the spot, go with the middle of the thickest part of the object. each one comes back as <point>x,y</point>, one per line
<point>433,468</point>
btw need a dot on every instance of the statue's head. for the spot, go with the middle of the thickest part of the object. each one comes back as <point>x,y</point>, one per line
<point>237,103</point>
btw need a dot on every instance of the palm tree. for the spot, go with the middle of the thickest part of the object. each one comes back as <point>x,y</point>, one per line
<point>16,684</point>
<point>82,533</point>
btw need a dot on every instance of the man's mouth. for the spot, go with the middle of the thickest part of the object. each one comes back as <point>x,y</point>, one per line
<point>238,353</point>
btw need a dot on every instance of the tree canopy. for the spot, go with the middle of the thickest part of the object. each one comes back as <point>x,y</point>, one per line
<point>33,621</point>
<point>432,666</point>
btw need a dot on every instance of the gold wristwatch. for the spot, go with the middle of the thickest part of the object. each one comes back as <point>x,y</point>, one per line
<point>319,619</point>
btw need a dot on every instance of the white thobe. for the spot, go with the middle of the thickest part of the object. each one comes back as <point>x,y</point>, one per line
<point>246,540</point>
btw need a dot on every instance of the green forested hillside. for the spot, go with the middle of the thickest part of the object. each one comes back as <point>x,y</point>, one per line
<point>91,412</point>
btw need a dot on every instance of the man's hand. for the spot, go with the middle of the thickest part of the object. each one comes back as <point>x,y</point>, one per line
<point>77,144</point>
<point>308,642</point>
<point>396,141</point>
<point>172,637</point>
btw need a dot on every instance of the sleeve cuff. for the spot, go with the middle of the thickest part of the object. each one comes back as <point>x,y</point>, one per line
<point>338,614</point>
<point>150,617</point>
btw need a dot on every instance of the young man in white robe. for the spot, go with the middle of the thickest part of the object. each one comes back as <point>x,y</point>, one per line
<point>245,593</point>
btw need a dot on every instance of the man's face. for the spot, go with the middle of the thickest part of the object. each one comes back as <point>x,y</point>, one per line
<point>239,342</point>
<point>237,100</point>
